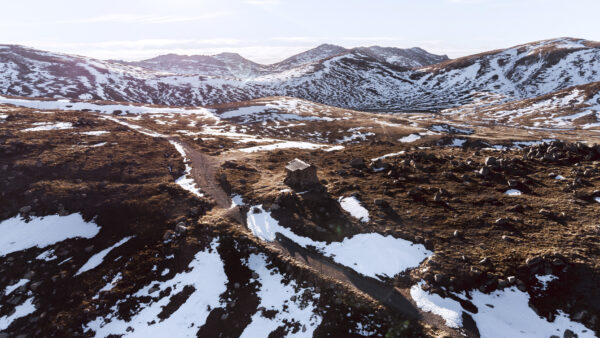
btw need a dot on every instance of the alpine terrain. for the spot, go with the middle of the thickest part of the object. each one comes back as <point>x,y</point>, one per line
<point>365,192</point>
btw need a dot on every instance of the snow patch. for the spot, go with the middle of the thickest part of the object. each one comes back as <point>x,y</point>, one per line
<point>275,295</point>
<point>353,207</point>
<point>98,258</point>
<point>370,254</point>
<point>18,234</point>
<point>513,192</point>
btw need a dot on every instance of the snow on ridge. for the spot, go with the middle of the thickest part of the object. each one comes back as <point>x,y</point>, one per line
<point>370,254</point>
<point>205,274</point>
<point>98,258</point>
<point>17,234</point>
<point>47,126</point>
<point>275,295</point>
<point>501,313</point>
<point>186,181</point>
<point>22,310</point>
<point>64,104</point>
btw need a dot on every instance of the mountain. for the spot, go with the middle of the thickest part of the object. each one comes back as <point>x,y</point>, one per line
<point>226,65</point>
<point>368,83</point>
<point>232,65</point>
<point>409,58</point>
<point>318,53</point>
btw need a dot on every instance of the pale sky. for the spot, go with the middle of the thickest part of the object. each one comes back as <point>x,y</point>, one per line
<point>268,31</point>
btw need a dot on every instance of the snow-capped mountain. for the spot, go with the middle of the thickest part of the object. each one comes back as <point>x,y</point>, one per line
<point>409,58</point>
<point>226,65</point>
<point>353,79</point>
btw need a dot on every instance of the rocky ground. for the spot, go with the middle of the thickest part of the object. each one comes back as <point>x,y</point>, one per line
<point>493,208</point>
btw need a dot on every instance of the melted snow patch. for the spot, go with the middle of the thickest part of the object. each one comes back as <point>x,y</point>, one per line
<point>410,138</point>
<point>46,126</point>
<point>186,181</point>
<point>94,132</point>
<point>106,109</point>
<point>353,207</point>
<point>513,192</point>
<point>275,295</point>
<point>98,258</point>
<point>9,289</point>
<point>17,234</point>
<point>448,309</point>
<point>22,310</point>
<point>502,313</point>
<point>388,155</point>
<point>370,254</point>
<point>287,145</point>
<point>205,274</point>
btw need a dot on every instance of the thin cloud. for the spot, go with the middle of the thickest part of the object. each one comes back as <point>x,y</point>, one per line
<point>144,19</point>
<point>263,2</point>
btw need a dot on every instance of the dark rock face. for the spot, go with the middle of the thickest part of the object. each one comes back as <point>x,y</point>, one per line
<point>301,175</point>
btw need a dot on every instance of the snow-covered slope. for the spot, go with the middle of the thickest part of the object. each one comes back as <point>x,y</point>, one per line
<point>409,58</point>
<point>354,79</point>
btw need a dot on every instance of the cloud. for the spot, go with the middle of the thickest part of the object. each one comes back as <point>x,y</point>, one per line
<point>263,2</point>
<point>144,19</point>
<point>298,39</point>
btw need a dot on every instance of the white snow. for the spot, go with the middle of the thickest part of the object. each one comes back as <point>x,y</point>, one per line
<point>502,313</point>
<point>457,142</point>
<point>9,289</point>
<point>449,310</point>
<point>95,132</point>
<point>45,126</point>
<point>410,138</point>
<point>98,258</point>
<point>287,145</point>
<point>40,232</point>
<point>47,255</point>
<point>513,192</point>
<point>559,177</point>
<point>353,207</point>
<point>597,199</point>
<point>105,109</point>
<point>20,311</point>
<point>546,280</point>
<point>276,295</point>
<point>388,155</point>
<point>370,254</point>
<point>186,181</point>
<point>205,274</point>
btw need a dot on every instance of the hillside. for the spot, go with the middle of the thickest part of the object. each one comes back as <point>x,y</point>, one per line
<point>519,72</point>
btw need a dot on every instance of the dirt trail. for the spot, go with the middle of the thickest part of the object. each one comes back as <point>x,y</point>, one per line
<point>204,169</point>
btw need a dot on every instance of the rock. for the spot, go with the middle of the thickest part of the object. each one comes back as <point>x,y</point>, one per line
<point>502,221</point>
<point>89,249</point>
<point>25,209</point>
<point>457,234</point>
<point>484,171</point>
<point>511,279</point>
<point>437,197</point>
<point>255,275</point>
<point>380,202</point>
<point>532,261</point>
<point>502,283</point>
<point>358,163</point>
<point>485,261</point>
<point>301,175</point>
<point>569,334</point>
<point>490,161</point>
<point>506,238</point>
<point>512,183</point>
<point>475,271</point>
<point>180,228</point>
<point>439,278</point>
<point>547,213</point>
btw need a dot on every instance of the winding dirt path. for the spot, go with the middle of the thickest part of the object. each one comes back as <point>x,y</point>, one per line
<point>204,170</point>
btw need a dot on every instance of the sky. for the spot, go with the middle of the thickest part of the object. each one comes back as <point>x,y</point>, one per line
<point>267,31</point>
